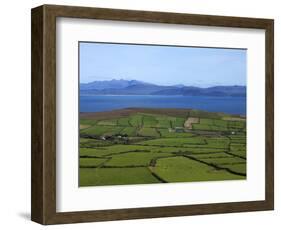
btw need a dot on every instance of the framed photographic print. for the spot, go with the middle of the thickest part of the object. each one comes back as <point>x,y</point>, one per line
<point>140,114</point>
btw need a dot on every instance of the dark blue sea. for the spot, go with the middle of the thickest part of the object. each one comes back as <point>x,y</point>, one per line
<point>99,103</point>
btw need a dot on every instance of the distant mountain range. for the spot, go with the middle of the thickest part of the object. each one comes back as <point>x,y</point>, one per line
<point>134,87</point>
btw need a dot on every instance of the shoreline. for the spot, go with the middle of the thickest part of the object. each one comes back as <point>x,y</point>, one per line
<point>181,112</point>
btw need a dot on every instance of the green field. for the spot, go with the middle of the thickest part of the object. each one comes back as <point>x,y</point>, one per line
<point>144,146</point>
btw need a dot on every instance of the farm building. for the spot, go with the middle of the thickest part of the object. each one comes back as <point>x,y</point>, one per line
<point>179,129</point>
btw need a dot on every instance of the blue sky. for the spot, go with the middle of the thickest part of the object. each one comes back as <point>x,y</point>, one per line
<point>164,65</point>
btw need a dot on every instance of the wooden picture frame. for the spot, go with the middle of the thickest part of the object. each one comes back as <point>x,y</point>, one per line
<point>43,207</point>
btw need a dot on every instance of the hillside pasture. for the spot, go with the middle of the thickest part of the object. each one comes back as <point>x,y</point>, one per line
<point>143,146</point>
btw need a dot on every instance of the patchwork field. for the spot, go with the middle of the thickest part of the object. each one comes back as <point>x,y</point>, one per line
<point>144,146</point>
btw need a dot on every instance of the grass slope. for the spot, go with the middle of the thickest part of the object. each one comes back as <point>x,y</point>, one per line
<point>142,146</point>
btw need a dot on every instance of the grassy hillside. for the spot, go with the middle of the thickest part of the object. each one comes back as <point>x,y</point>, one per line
<point>143,146</point>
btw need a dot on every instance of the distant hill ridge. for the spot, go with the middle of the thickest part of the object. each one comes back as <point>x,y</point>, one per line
<point>134,87</point>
